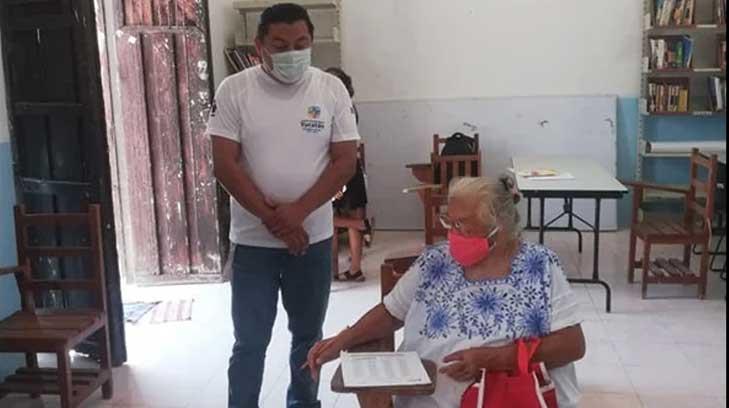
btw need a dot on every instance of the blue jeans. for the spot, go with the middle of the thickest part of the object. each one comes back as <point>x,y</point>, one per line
<point>304,282</point>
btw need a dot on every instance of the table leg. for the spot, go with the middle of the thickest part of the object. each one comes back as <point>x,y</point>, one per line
<point>570,208</point>
<point>541,219</point>
<point>596,260</point>
<point>529,214</point>
<point>595,280</point>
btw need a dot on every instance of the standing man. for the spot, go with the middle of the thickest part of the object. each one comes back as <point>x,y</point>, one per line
<point>284,143</point>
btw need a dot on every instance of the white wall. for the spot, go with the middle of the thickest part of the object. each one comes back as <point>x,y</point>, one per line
<point>424,50</point>
<point>433,49</point>
<point>224,21</point>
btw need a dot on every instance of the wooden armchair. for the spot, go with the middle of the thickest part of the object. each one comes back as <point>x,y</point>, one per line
<point>35,330</point>
<point>693,229</point>
<point>445,169</point>
<point>392,271</point>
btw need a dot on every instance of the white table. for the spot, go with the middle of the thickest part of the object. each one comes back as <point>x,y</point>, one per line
<point>590,181</point>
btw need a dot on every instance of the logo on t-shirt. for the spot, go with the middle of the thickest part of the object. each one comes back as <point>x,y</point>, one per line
<point>314,112</point>
<point>313,124</point>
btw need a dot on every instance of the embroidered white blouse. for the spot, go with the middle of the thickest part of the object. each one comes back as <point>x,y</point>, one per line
<point>444,312</point>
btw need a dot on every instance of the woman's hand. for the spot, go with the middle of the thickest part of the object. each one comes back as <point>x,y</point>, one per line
<point>465,367</point>
<point>467,364</point>
<point>323,352</point>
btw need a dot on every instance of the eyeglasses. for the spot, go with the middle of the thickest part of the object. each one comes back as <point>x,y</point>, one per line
<point>457,225</point>
<point>448,224</point>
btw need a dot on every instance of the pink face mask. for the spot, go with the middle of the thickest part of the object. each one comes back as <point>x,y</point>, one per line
<point>469,251</point>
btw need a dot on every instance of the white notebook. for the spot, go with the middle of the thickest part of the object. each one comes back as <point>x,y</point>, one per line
<point>365,370</point>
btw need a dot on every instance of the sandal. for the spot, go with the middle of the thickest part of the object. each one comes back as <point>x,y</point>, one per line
<point>349,277</point>
<point>355,277</point>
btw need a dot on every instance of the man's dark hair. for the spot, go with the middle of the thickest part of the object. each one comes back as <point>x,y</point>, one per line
<point>288,13</point>
<point>346,79</point>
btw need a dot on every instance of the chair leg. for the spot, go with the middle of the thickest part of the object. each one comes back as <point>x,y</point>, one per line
<point>687,256</point>
<point>704,272</point>
<point>31,361</point>
<point>429,229</point>
<point>646,269</point>
<point>65,384</point>
<point>107,389</point>
<point>631,257</point>
<point>335,254</point>
<point>374,400</point>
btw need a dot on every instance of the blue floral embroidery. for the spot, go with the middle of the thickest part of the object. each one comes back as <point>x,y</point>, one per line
<point>534,265</point>
<point>486,302</point>
<point>516,306</point>
<point>536,322</point>
<point>438,323</point>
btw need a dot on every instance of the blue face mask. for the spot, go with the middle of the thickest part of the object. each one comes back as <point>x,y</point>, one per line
<point>289,67</point>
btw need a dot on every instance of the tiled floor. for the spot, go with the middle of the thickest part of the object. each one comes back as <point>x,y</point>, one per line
<point>668,352</point>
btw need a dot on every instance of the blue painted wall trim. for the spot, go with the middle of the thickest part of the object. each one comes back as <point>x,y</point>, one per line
<point>663,129</point>
<point>9,298</point>
<point>668,129</point>
<point>627,152</point>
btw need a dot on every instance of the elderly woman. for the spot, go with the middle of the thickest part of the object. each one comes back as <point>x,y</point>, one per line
<point>465,302</point>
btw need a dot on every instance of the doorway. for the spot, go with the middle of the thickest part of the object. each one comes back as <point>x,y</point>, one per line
<point>108,101</point>
<point>59,133</point>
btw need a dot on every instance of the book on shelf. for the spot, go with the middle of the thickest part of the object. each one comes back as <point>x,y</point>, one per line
<point>717,93</point>
<point>674,12</point>
<point>668,98</point>
<point>241,58</point>
<point>671,53</point>
<point>721,54</point>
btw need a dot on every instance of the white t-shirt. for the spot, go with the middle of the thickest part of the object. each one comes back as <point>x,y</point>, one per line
<point>444,313</point>
<point>285,133</point>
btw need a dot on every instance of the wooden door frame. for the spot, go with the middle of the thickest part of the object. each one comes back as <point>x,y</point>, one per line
<point>113,16</point>
<point>101,175</point>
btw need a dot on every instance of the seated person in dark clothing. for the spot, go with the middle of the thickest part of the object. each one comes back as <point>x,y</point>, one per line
<point>350,209</point>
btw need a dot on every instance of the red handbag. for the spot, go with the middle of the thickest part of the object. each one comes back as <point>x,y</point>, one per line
<point>529,387</point>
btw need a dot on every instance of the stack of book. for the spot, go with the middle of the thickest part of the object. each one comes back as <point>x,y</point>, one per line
<point>668,98</point>
<point>717,93</point>
<point>241,58</point>
<point>675,12</point>
<point>672,53</point>
<point>720,11</point>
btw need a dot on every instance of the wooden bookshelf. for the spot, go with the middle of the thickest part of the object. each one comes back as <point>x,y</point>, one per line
<point>260,5</point>
<point>690,113</point>
<point>687,29</point>
<point>704,32</point>
<point>691,74</point>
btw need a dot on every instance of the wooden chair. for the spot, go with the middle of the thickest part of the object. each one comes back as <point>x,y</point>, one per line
<point>445,169</point>
<point>392,270</point>
<point>693,229</point>
<point>35,330</point>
